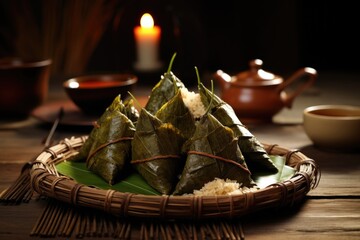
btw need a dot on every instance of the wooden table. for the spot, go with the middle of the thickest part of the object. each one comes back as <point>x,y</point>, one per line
<point>331,211</point>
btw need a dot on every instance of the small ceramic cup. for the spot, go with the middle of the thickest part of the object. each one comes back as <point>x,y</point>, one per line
<point>23,86</point>
<point>333,127</point>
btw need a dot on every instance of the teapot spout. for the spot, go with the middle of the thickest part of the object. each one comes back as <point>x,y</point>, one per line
<point>222,78</point>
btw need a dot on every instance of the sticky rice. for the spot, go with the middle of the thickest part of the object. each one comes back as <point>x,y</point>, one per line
<point>220,187</point>
<point>193,102</point>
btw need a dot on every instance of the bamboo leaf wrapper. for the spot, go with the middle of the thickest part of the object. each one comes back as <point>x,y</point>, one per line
<point>156,149</point>
<point>255,155</point>
<point>163,91</point>
<point>212,152</point>
<point>175,112</point>
<point>107,150</point>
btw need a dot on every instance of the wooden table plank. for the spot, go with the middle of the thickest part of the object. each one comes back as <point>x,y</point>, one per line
<point>340,172</point>
<point>315,219</point>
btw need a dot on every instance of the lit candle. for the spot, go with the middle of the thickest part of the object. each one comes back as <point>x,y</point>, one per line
<point>147,38</point>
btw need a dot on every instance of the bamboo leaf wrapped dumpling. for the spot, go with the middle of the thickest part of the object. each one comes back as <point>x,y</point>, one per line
<point>255,155</point>
<point>107,149</point>
<point>117,105</point>
<point>130,111</point>
<point>178,114</point>
<point>156,152</point>
<point>164,90</point>
<point>110,154</point>
<point>212,152</point>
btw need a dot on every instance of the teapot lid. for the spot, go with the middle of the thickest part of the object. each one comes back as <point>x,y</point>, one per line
<point>255,76</point>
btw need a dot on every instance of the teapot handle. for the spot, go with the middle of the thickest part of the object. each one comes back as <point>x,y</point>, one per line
<point>310,76</point>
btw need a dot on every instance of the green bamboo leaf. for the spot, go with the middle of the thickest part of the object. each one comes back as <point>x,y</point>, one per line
<point>175,112</point>
<point>164,90</point>
<point>78,171</point>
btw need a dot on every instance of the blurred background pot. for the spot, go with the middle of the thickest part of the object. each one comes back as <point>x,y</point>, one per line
<point>23,85</point>
<point>257,95</point>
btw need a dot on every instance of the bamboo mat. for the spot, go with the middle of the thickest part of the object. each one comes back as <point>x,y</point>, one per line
<point>62,220</point>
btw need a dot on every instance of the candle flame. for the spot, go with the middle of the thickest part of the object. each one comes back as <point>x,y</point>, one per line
<point>146,21</point>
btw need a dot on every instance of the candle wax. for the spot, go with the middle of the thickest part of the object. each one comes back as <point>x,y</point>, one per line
<point>147,43</point>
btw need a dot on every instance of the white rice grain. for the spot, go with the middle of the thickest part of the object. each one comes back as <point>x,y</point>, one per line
<point>220,187</point>
<point>193,102</point>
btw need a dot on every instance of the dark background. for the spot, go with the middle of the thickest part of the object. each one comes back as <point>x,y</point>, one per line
<point>213,35</point>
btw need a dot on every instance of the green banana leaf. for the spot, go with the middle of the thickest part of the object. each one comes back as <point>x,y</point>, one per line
<point>284,173</point>
<point>255,155</point>
<point>78,171</point>
<point>134,183</point>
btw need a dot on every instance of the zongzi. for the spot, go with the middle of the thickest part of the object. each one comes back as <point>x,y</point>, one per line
<point>110,153</point>
<point>178,112</point>
<point>107,150</point>
<point>255,155</point>
<point>212,152</point>
<point>164,90</point>
<point>116,105</point>
<point>156,152</point>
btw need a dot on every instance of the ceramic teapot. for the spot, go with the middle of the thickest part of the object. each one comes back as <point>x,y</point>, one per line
<point>256,95</point>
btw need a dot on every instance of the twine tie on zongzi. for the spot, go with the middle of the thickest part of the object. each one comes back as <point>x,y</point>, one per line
<point>220,158</point>
<point>107,144</point>
<point>154,158</point>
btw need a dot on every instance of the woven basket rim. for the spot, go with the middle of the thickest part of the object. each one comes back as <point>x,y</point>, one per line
<point>46,181</point>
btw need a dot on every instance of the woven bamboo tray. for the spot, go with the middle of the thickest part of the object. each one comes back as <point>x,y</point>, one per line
<point>47,181</point>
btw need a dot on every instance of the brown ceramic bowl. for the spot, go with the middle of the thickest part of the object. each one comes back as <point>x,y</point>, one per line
<point>23,85</point>
<point>94,93</point>
<point>333,127</point>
